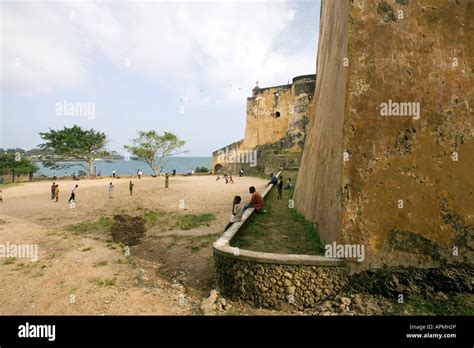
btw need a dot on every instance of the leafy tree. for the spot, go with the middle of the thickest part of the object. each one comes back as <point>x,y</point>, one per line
<point>74,143</point>
<point>12,164</point>
<point>201,170</point>
<point>153,148</point>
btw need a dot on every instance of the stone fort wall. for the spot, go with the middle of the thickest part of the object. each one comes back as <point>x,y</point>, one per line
<point>276,120</point>
<point>400,185</point>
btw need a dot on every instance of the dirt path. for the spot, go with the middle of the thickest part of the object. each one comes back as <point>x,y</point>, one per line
<point>167,273</point>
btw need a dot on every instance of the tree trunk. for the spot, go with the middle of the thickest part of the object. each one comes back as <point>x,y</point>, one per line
<point>91,166</point>
<point>150,163</point>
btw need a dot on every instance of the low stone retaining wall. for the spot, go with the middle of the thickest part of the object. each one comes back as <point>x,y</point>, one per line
<point>272,285</point>
<point>275,280</point>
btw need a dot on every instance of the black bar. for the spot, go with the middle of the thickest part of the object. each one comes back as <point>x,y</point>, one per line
<point>117,330</point>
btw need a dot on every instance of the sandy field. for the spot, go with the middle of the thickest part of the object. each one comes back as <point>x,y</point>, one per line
<point>167,272</point>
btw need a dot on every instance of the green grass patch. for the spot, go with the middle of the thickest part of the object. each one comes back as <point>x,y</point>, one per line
<point>103,282</point>
<point>457,304</point>
<point>9,260</point>
<point>102,225</point>
<point>280,229</point>
<point>172,221</point>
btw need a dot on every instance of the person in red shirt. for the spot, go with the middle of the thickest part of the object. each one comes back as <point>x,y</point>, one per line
<point>256,201</point>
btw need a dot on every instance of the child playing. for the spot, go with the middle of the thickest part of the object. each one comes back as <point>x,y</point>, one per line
<point>130,187</point>
<point>280,187</point>
<point>111,189</point>
<point>56,192</point>
<point>237,212</point>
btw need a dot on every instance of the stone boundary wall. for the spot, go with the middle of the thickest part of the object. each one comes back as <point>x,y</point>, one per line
<point>274,280</point>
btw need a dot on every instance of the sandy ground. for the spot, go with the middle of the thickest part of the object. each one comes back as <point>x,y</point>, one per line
<point>167,273</point>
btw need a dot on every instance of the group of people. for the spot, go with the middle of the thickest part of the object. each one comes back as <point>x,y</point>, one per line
<point>238,210</point>
<point>279,182</point>
<point>72,198</point>
<point>55,193</point>
<point>227,177</point>
<point>256,200</point>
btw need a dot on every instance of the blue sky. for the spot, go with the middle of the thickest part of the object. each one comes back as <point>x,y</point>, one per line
<point>181,66</point>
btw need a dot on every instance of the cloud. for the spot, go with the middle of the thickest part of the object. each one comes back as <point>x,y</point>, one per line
<point>224,46</point>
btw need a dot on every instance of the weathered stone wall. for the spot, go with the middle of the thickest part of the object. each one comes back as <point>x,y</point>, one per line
<point>406,190</point>
<point>277,286</point>
<point>318,189</point>
<point>275,116</point>
<point>274,113</point>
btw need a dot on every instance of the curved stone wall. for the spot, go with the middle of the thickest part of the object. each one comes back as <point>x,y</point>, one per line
<point>275,280</point>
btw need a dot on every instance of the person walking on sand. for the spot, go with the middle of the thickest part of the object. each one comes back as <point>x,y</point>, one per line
<point>139,173</point>
<point>73,194</point>
<point>280,187</point>
<point>231,180</point>
<point>218,177</point>
<point>53,190</point>
<point>256,201</point>
<point>56,192</point>
<point>237,212</point>
<point>1,196</point>
<point>130,187</point>
<point>241,172</point>
<point>114,173</point>
<point>111,189</point>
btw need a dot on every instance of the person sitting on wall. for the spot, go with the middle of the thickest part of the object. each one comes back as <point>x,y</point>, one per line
<point>237,212</point>
<point>273,180</point>
<point>256,201</point>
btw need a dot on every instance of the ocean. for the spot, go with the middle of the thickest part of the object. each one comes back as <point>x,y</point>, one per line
<point>122,167</point>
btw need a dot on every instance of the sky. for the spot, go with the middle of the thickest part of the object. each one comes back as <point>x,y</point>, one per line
<point>124,66</point>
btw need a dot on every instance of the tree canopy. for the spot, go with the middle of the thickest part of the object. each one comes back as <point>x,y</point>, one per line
<point>74,143</point>
<point>153,148</point>
<point>12,164</point>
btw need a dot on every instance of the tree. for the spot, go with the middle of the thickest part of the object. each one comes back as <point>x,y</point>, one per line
<point>74,143</point>
<point>12,164</point>
<point>153,148</point>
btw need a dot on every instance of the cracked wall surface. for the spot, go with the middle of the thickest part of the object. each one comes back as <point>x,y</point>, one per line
<point>401,185</point>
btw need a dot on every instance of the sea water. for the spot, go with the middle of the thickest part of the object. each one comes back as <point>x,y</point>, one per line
<point>123,167</point>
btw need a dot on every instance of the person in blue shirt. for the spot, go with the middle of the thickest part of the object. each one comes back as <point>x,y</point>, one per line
<point>273,179</point>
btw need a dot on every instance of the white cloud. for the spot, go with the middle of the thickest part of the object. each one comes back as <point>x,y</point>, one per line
<point>226,45</point>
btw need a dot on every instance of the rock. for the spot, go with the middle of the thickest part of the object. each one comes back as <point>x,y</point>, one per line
<point>327,305</point>
<point>358,300</point>
<point>218,306</point>
<point>207,305</point>
<point>346,301</point>
<point>288,275</point>
<point>222,301</point>
<point>291,290</point>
